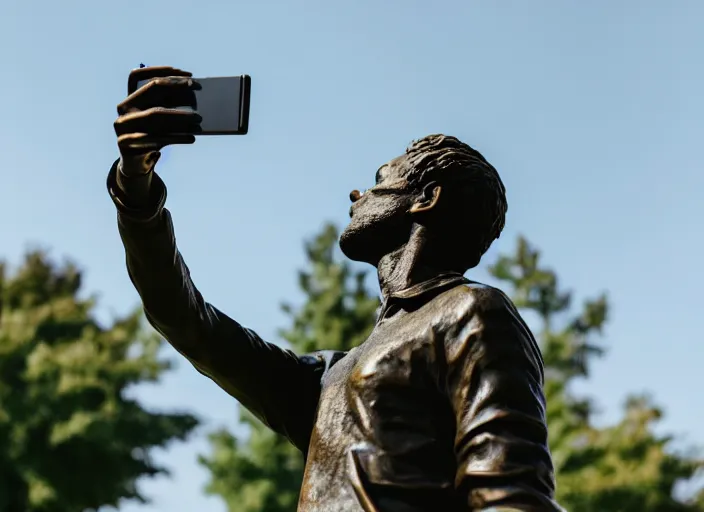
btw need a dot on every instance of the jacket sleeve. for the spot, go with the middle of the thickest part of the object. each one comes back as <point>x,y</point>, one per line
<point>494,381</point>
<point>277,386</point>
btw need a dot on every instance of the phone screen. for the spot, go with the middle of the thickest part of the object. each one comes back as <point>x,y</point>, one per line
<point>223,103</point>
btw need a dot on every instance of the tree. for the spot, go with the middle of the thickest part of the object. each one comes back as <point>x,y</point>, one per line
<point>622,468</point>
<point>70,438</point>
<point>265,474</point>
<point>625,467</point>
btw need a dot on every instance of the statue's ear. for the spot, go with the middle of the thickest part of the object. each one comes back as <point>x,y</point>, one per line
<point>428,199</point>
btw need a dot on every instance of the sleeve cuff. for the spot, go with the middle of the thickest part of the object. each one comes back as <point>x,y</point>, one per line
<point>125,207</point>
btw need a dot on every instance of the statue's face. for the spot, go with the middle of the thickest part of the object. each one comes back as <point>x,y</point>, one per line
<point>380,219</point>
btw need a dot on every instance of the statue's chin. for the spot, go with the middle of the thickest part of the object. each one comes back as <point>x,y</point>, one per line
<point>355,247</point>
<point>347,244</point>
<point>368,242</point>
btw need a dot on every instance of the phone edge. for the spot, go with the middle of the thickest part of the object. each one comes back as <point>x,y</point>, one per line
<point>245,91</point>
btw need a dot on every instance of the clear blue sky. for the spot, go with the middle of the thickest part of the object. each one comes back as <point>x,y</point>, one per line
<point>593,112</point>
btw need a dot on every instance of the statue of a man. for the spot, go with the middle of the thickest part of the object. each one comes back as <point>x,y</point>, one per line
<point>441,408</point>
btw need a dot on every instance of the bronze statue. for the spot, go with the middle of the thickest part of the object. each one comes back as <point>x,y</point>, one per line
<point>441,408</point>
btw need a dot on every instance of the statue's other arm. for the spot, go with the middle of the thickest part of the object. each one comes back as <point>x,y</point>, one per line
<point>494,382</point>
<point>279,387</point>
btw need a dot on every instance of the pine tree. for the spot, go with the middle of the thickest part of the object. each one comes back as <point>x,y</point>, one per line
<point>265,473</point>
<point>71,440</point>
<point>623,468</point>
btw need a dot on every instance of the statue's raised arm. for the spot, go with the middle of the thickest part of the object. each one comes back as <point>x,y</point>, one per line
<point>278,386</point>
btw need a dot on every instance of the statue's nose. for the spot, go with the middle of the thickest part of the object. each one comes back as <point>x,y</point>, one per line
<point>355,195</point>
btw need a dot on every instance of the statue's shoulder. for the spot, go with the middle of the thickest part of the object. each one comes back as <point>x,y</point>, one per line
<point>482,306</point>
<point>478,296</point>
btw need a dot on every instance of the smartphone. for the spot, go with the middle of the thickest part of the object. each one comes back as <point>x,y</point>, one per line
<point>223,103</point>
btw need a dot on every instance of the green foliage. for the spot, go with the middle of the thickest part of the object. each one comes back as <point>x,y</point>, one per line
<point>339,313</point>
<point>622,468</point>
<point>70,439</point>
<point>265,474</point>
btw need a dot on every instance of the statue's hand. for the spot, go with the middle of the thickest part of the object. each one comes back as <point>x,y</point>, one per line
<point>149,118</point>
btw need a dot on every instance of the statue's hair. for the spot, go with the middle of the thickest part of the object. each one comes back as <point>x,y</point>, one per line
<point>476,192</point>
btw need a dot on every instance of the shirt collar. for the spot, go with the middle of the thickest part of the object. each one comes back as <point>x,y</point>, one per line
<point>421,290</point>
